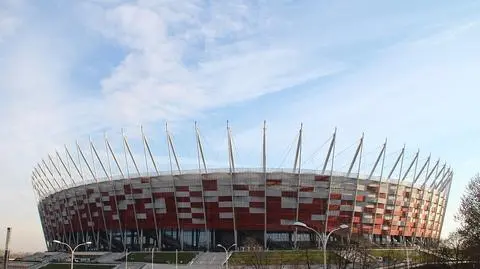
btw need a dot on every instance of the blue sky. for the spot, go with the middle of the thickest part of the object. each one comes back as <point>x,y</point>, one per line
<point>73,69</point>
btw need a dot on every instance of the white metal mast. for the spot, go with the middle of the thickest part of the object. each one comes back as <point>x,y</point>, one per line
<point>331,152</point>
<point>201,159</point>
<point>146,149</point>
<point>264,165</point>
<point>108,149</point>
<point>170,150</point>
<point>382,157</point>
<point>357,153</point>
<point>126,150</point>
<point>231,162</point>
<point>298,161</point>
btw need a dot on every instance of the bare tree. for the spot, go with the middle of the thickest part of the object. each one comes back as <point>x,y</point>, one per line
<point>469,217</point>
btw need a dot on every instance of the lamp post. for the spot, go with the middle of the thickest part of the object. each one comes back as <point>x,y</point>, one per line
<point>226,253</point>
<point>72,250</point>
<point>324,237</point>
<point>152,256</point>
<point>126,258</point>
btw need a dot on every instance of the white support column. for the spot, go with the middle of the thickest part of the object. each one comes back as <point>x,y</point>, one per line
<point>108,149</point>
<point>170,149</point>
<point>49,234</point>
<point>126,148</point>
<point>440,173</point>
<point>331,151</point>
<point>357,153</point>
<point>94,152</point>
<point>75,198</point>
<point>332,144</point>
<point>264,165</point>
<point>427,165</point>
<point>60,220</point>
<point>146,149</point>
<point>53,203</point>
<point>231,162</point>
<point>432,195</point>
<point>414,161</point>
<point>65,198</point>
<point>67,202</point>
<point>382,157</point>
<point>97,184</point>
<point>201,157</point>
<point>85,202</point>
<point>447,194</point>
<point>298,162</point>
<point>45,203</point>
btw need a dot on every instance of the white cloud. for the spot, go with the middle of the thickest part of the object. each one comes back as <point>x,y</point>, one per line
<point>157,79</point>
<point>9,19</point>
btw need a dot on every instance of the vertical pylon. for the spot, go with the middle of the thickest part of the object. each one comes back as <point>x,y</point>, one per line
<point>358,152</point>
<point>148,152</point>
<point>264,166</point>
<point>174,186</point>
<point>331,151</point>
<point>297,169</point>
<point>201,159</point>
<point>231,162</point>
<point>381,156</point>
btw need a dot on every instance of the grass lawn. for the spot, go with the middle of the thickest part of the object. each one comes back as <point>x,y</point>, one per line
<point>401,255</point>
<point>279,257</point>
<point>76,266</point>
<point>161,257</point>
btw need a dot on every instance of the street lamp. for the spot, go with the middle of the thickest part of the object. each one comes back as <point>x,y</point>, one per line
<point>324,237</point>
<point>226,253</point>
<point>72,250</point>
<point>126,258</point>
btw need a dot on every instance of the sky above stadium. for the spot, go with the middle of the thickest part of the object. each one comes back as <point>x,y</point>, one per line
<point>73,69</point>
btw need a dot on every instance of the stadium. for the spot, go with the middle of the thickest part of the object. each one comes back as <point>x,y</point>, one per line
<point>81,198</point>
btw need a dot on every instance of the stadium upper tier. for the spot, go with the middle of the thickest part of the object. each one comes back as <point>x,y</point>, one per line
<point>202,208</point>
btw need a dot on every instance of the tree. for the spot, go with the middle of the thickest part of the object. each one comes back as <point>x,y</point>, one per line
<point>469,217</point>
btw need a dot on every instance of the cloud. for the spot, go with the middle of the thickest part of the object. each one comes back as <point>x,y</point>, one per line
<point>9,19</point>
<point>188,59</point>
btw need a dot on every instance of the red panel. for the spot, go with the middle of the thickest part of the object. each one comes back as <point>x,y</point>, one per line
<point>209,185</point>
<point>322,178</point>
<point>256,193</point>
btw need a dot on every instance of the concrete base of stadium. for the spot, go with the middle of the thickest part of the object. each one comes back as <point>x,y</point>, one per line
<point>202,240</point>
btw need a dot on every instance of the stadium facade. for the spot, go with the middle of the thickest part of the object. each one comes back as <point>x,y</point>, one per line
<point>80,199</point>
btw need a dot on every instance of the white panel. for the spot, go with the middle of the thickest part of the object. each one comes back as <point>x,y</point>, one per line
<point>211,193</point>
<point>211,199</point>
<point>184,215</point>
<point>197,210</point>
<point>289,202</point>
<point>305,200</point>
<point>198,221</point>
<point>256,210</point>
<point>256,199</point>
<point>182,194</point>
<point>161,210</point>
<point>195,199</point>
<point>225,204</point>
<point>286,222</point>
<point>226,215</point>
<point>274,192</point>
<point>318,217</point>
<point>141,216</point>
<point>241,193</point>
<point>184,204</point>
